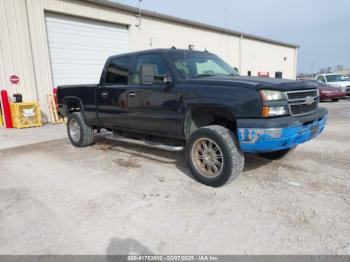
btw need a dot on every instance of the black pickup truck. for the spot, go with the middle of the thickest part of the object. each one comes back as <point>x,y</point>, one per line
<point>189,100</point>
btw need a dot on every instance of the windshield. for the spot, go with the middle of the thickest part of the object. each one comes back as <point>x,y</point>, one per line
<point>335,78</point>
<point>190,64</point>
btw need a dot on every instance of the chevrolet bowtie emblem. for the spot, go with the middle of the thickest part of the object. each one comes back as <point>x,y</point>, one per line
<point>309,100</point>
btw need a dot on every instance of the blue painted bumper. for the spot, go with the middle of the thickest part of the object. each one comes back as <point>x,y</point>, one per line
<point>259,140</point>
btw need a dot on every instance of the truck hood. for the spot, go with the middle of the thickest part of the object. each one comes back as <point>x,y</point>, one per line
<point>256,82</point>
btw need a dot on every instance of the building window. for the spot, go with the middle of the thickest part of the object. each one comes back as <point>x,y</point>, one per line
<point>118,71</point>
<point>278,74</point>
<point>249,73</point>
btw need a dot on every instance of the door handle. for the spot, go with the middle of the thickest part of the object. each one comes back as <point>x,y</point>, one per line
<point>132,94</point>
<point>104,94</point>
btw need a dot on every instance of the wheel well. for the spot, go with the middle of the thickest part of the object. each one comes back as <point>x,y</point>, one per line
<point>200,117</point>
<point>72,105</point>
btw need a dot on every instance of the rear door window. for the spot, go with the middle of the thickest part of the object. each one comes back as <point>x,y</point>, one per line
<point>118,71</point>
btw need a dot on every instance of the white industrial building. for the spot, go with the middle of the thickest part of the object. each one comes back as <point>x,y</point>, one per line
<point>53,42</point>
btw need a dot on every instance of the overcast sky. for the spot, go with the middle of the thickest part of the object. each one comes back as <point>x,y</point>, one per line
<point>320,27</point>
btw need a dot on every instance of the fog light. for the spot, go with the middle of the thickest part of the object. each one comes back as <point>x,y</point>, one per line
<point>274,111</point>
<point>277,111</point>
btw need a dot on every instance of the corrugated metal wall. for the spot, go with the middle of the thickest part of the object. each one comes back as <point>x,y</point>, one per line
<point>24,45</point>
<point>36,15</point>
<point>15,49</point>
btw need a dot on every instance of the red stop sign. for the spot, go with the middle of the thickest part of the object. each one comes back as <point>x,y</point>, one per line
<point>14,79</point>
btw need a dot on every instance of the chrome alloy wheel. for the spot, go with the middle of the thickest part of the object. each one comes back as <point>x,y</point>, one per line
<point>74,130</point>
<point>207,157</point>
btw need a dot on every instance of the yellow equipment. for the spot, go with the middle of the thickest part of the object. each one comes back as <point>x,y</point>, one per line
<point>25,114</point>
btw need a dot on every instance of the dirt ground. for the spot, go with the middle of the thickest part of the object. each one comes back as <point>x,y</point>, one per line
<point>114,198</point>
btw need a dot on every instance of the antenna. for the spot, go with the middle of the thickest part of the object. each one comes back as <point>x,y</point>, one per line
<point>140,15</point>
<point>226,10</point>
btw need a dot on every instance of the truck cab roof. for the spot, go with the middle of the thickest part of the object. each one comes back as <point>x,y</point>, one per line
<point>159,50</point>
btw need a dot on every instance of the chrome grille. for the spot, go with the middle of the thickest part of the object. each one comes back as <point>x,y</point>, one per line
<point>301,94</point>
<point>302,102</point>
<point>301,109</point>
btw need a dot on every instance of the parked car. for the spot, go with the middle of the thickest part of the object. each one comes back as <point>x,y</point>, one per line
<point>328,92</point>
<point>335,80</point>
<point>194,101</point>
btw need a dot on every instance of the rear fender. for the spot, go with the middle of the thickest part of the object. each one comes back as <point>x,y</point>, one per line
<point>72,100</point>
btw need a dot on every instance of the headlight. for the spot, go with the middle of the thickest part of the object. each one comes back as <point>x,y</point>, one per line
<point>270,111</point>
<point>272,95</point>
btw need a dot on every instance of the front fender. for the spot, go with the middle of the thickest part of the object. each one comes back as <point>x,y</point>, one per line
<point>218,107</point>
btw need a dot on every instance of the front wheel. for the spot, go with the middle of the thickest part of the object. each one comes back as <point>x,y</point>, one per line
<point>276,154</point>
<point>335,100</point>
<point>80,134</point>
<point>214,155</point>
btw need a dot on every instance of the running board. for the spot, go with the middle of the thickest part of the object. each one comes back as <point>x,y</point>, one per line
<point>144,143</point>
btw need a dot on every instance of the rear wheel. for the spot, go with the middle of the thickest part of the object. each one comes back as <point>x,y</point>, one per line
<point>80,134</point>
<point>335,100</point>
<point>276,154</point>
<point>213,155</point>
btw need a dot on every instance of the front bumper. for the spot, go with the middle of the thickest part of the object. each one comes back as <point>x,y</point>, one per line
<point>279,133</point>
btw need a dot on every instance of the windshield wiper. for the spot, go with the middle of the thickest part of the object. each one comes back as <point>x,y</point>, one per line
<point>202,75</point>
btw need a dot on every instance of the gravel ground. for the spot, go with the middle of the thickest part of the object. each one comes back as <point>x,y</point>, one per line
<point>114,198</point>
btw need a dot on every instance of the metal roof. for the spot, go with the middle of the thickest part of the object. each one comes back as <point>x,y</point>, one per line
<point>174,19</point>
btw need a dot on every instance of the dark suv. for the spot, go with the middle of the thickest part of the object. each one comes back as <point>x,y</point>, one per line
<point>188,100</point>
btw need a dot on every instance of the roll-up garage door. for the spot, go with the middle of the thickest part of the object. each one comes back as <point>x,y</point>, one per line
<point>79,47</point>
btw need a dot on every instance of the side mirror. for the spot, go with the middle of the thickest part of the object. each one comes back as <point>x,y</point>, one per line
<point>147,74</point>
<point>167,80</point>
<point>168,83</point>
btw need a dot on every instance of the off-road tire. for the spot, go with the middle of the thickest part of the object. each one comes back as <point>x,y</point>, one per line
<point>233,157</point>
<point>86,133</point>
<point>274,155</point>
